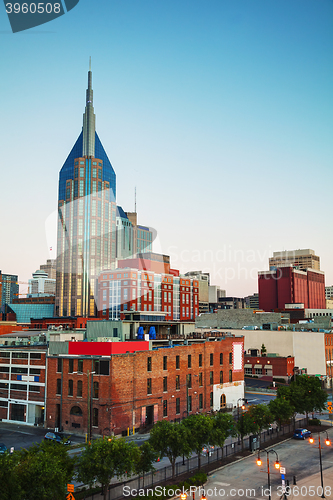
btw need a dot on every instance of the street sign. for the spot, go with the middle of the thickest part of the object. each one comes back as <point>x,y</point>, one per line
<point>70,487</point>
<point>282,470</point>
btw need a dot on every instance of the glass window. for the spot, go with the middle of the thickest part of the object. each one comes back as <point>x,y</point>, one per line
<point>149,386</point>
<point>59,365</point>
<point>95,417</point>
<point>200,379</point>
<point>211,359</point>
<point>200,401</point>
<point>100,173</point>
<point>165,362</point>
<point>221,358</point>
<point>70,365</point>
<point>177,382</point>
<point>177,363</point>
<point>81,171</point>
<point>211,399</point>
<point>190,403</point>
<point>230,375</point>
<point>200,359</point>
<point>95,390</point>
<point>189,361</point>
<point>165,384</point>
<point>79,388</point>
<point>70,387</point>
<point>189,380</point>
<point>221,377</point>
<point>177,406</point>
<point>211,378</point>
<point>58,385</point>
<point>165,408</point>
<point>80,365</point>
<point>149,364</point>
<point>230,358</point>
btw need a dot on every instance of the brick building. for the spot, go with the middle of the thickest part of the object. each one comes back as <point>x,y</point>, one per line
<point>128,289</point>
<point>287,285</point>
<point>269,366</point>
<point>133,385</point>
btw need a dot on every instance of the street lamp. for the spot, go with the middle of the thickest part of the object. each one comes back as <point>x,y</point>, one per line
<point>89,402</point>
<point>328,443</point>
<point>276,465</point>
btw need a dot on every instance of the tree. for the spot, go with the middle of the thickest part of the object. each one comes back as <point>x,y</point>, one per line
<point>261,417</point>
<point>245,426</point>
<point>313,396</point>
<point>293,394</point>
<point>223,426</point>
<point>43,471</point>
<point>147,457</point>
<point>105,458</point>
<point>9,477</point>
<point>263,350</point>
<point>281,409</point>
<point>201,432</point>
<point>170,440</point>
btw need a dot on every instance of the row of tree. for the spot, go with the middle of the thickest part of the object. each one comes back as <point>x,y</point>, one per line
<point>44,470</point>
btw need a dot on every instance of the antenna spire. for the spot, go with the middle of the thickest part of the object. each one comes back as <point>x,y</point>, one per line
<point>90,63</point>
<point>135,199</point>
<point>89,120</point>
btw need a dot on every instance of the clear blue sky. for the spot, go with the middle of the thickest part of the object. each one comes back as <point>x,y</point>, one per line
<point>218,111</point>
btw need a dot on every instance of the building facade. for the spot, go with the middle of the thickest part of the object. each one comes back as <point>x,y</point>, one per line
<point>127,289</point>
<point>87,219</point>
<point>50,268</point>
<point>132,388</point>
<point>9,288</point>
<point>41,285</point>
<point>287,285</point>
<point>269,366</point>
<point>303,259</point>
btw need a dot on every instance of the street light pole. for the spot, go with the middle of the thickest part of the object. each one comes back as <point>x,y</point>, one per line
<point>277,466</point>
<point>328,442</point>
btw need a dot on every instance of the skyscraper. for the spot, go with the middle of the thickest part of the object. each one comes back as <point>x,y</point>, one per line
<point>87,219</point>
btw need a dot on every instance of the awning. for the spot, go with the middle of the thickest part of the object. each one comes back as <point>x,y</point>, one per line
<point>267,367</point>
<point>247,365</point>
<point>258,366</point>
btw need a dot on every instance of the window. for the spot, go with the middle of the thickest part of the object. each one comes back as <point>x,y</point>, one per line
<point>221,377</point>
<point>59,365</point>
<point>35,355</point>
<point>177,363</point>
<point>34,388</point>
<point>258,371</point>
<point>230,375</point>
<point>211,399</point>
<point>95,390</point>
<point>79,389</point>
<point>200,379</point>
<point>34,371</point>
<point>189,380</point>
<point>190,403</point>
<point>58,385</point>
<point>70,388</point>
<point>95,417</point>
<point>200,359</point>
<point>20,355</point>
<point>70,365</point>
<point>149,364</point>
<point>165,384</point>
<point>200,401</point>
<point>165,362</point>
<point>211,359</point>
<point>165,408</point>
<point>101,367</point>
<point>80,365</point>
<point>230,358</point>
<point>76,410</point>
<point>223,401</point>
<point>177,382</point>
<point>189,361</point>
<point>18,387</point>
<point>148,385</point>
<point>221,358</point>
<point>19,370</point>
<point>211,378</point>
<point>177,406</point>
<point>248,371</point>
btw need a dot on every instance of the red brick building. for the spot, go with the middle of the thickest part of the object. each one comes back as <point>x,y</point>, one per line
<point>269,366</point>
<point>131,390</point>
<point>287,285</point>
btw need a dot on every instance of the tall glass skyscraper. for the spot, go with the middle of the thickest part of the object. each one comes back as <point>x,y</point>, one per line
<point>87,219</point>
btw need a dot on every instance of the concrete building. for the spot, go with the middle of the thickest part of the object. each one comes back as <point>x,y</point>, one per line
<point>252,301</point>
<point>239,318</point>
<point>133,385</point>
<point>215,293</point>
<point>41,285</point>
<point>302,259</point>
<point>50,268</point>
<point>329,292</point>
<point>287,285</point>
<point>204,281</point>
<point>87,219</point>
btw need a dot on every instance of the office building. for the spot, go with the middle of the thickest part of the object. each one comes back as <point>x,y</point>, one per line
<point>9,288</point>
<point>329,292</point>
<point>142,235</point>
<point>204,281</point>
<point>302,259</point>
<point>287,285</point>
<point>41,285</point>
<point>87,219</point>
<point>50,268</point>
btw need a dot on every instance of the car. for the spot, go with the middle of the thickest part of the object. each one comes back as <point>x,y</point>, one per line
<point>207,449</point>
<point>301,433</point>
<point>57,437</point>
<point>3,448</point>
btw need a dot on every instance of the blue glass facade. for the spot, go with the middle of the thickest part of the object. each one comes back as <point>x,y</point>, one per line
<point>24,312</point>
<point>67,171</point>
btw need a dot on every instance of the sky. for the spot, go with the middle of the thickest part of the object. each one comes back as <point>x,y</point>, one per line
<point>218,112</point>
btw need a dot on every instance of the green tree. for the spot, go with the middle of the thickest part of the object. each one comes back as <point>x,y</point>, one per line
<point>170,440</point>
<point>261,417</point>
<point>223,426</point>
<point>245,426</point>
<point>147,457</point>
<point>201,432</point>
<point>293,394</point>
<point>105,458</point>
<point>44,471</point>
<point>281,409</point>
<point>263,350</point>
<point>9,477</point>
<point>313,396</point>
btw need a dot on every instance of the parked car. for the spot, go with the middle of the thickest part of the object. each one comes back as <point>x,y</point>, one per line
<point>207,449</point>
<point>301,433</point>
<point>57,437</point>
<point>3,448</point>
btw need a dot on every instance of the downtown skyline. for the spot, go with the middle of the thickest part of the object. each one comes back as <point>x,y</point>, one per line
<point>221,119</point>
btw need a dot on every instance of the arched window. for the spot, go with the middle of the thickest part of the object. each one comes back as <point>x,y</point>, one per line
<point>223,401</point>
<point>76,410</point>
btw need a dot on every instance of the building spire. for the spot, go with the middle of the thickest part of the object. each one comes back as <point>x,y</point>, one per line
<point>89,120</point>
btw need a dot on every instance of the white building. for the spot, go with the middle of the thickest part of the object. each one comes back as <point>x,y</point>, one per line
<point>41,285</point>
